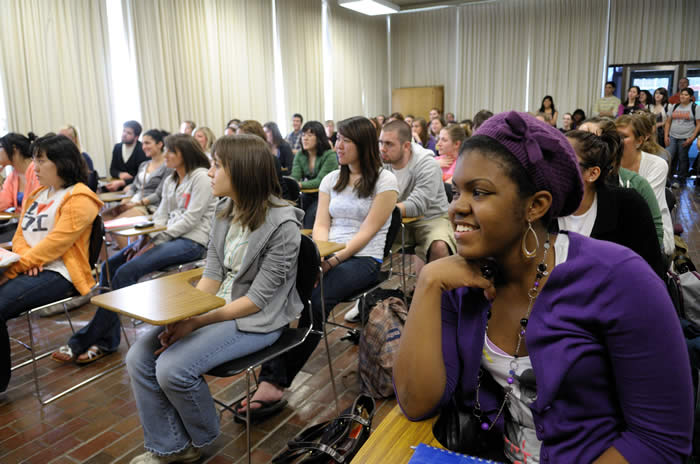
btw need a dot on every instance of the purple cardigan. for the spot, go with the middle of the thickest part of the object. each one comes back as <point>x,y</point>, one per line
<point>608,353</point>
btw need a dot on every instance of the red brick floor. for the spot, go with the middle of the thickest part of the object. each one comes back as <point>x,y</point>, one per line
<point>99,423</point>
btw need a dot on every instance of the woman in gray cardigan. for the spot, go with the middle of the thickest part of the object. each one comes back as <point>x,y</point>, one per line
<point>252,264</point>
<point>146,190</point>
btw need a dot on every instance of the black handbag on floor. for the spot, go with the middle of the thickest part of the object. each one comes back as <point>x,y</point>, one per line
<point>334,441</point>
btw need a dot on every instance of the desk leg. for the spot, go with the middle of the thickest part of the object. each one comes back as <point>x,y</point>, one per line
<point>325,340</point>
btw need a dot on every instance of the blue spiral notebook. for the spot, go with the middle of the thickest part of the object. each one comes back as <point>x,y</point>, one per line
<point>426,454</point>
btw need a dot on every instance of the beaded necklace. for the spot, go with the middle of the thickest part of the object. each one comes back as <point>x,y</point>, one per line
<point>532,296</point>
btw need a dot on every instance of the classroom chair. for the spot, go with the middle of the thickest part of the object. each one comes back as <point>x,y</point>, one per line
<point>308,270</point>
<point>96,246</point>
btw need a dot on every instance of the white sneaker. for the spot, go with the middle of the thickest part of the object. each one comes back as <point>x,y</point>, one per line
<point>188,455</point>
<point>353,314</point>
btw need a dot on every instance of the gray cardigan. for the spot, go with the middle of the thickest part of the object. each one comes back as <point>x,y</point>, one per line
<point>152,188</point>
<point>186,209</point>
<point>425,193</point>
<point>268,272</point>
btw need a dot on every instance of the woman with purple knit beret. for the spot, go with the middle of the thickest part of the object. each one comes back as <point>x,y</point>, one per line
<point>565,348</point>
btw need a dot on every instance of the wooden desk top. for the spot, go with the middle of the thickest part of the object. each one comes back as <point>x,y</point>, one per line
<point>392,440</point>
<point>133,232</point>
<point>309,190</point>
<point>160,301</point>
<point>409,220</point>
<point>328,248</point>
<point>113,196</point>
<point>307,232</point>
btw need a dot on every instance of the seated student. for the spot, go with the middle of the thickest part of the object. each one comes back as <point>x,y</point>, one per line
<point>651,167</point>
<point>187,127</point>
<point>421,191</point>
<point>253,127</point>
<point>605,127</point>
<point>206,138</point>
<point>71,132</point>
<point>421,135</point>
<point>354,207</point>
<point>186,208</point>
<point>15,151</point>
<point>565,349</point>
<point>436,127</point>
<point>146,188</point>
<point>451,138</point>
<point>252,264</point>
<point>53,239</point>
<point>311,164</point>
<point>608,212</point>
<point>127,156</point>
<point>280,148</point>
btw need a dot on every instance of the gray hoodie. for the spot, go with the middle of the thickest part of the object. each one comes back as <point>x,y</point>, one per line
<point>268,272</point>
<point>186,209</point>
<point>425,193</point>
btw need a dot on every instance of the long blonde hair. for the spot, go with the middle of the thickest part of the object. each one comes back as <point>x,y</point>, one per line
<point>75,137</point>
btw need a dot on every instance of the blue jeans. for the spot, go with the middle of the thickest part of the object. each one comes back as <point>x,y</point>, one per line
<point>22,294</point>
<point>342,282</point>
<point>173,399</point>
<point>679,159</point>
<point>104,328</point>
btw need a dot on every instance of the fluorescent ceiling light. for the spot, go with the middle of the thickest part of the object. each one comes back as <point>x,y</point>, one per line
<point>370,7</point>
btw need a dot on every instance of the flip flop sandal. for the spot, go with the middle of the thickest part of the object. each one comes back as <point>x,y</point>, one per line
<point>93,354</point>
<point>267,409</point>
<point>65,351</point>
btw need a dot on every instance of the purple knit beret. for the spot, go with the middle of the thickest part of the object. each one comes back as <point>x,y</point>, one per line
<point>546,155</point>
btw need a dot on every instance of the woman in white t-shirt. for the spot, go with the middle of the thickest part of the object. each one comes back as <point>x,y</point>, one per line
<point>354,207</point>
<point>52,239</point>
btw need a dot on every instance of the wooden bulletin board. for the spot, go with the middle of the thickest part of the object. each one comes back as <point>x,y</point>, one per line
<point>417,100</point>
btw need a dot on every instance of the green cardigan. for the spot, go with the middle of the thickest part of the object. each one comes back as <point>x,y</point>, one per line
<point>631,179</point>
<point>325,164</point>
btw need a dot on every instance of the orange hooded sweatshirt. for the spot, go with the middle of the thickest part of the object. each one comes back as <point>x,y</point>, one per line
<point>69,239</point>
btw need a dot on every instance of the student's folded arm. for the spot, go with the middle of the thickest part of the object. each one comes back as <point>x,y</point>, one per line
<point>649,361</point>
<point>279,256</point>
<point>297,170</point>
<point>330,164</point>
<point>201,201</point>
<point>75,217</point>
<point>381,209</point>
<point>427,366</point>
<point>155,197</point>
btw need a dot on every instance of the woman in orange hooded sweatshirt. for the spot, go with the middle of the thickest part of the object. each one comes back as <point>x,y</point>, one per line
<point>52,239</point>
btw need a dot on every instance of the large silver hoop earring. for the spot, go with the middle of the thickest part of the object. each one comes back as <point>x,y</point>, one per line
<point>527,253</point>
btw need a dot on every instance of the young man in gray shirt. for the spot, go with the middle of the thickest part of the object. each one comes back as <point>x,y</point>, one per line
<point>421,192</point>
